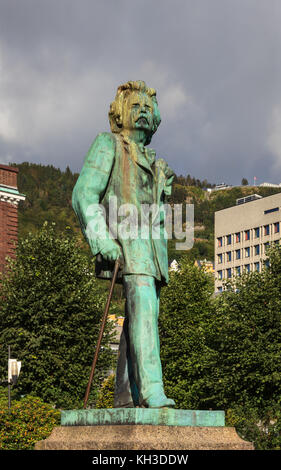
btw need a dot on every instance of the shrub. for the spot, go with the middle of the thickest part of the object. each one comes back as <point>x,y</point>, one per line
<point>29,420</point>
<point>106,393</point>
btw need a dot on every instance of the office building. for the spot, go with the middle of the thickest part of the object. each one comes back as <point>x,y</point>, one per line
<point>243,234</point>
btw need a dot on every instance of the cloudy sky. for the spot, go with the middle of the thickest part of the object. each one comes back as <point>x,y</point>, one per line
<point>216,66</point>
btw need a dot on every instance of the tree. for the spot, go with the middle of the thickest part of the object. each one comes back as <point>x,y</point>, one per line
<point>244,182</point>
<point>184,309</point>
<point>224,352</point>
<point>50,310</point>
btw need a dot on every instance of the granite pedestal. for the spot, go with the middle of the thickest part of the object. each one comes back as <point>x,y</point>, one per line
<point>143,429</point>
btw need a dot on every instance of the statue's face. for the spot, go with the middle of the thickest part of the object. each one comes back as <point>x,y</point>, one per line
<point>138,112</point>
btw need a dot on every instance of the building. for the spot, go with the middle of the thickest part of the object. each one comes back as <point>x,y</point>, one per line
<point>242,235</point>
<point>9,199</point>
<point>208,266</point>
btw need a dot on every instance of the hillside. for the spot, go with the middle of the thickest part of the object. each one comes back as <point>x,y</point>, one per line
<point>48,193</point>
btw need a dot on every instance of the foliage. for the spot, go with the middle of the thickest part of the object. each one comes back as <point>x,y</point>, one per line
<point>29,420</point>
<point>224,352</point>
<point>184,306</point>
<point>263,431</point>
<point>50,314</point>
<point>106,393</point>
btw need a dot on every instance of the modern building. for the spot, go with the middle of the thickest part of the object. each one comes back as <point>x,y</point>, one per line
<point>242,235</point>
<point>9,199</point>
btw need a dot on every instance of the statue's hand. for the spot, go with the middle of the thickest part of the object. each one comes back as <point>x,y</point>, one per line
<point>110,250</point>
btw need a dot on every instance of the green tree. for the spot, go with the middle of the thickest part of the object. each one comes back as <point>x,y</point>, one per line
<point>244,182</point>
<point>185,306</point>
<point>50,310</point>
<point>224,352</point>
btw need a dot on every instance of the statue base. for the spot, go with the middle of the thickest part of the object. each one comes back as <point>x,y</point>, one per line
<point>143,429</point>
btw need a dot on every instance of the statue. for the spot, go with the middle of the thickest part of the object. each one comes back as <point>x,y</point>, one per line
<point>119,168</point>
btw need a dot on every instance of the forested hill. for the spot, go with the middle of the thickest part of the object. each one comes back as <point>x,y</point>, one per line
<point>48,193</point>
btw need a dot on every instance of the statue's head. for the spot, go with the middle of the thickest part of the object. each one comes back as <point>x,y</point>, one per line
<point>135,107</point>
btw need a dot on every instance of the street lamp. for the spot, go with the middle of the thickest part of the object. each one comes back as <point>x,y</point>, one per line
<point>14,367</point>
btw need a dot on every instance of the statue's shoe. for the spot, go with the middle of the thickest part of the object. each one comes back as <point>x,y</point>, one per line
<point>158,401</point>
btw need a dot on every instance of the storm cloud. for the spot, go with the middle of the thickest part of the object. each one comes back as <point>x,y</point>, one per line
<point>216,66</point>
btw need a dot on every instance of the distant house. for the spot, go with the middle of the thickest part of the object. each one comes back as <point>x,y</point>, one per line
<point>174,265</point>
<point>9,199</point>
<point>270,185</point>
<point>208,266</point>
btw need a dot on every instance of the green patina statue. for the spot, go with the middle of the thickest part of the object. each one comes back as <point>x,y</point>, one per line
<point>120,174</point>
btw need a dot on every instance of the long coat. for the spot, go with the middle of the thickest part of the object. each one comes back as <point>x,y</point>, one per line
<point>116,168</point>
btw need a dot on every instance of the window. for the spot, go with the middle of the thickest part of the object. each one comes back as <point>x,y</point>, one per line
<point>238,254</point>
<point>237,237</point>
<point>220,259</point>
<point>268,211</point>
<point>228,273</point>
<point>266,246</point>
<point>247,234</point>
<point>220,289</point>
<point>257,267</point>
<point>238,270</point>
<point>247,252</point>
<point>276,227</point>
<point>228,239</point>
<point>220,241</point>
<point>257,232</point>
<point>220,274</point>
<point>266,229</point>
<point>257,249</point>
<point>266,263</point>
<point>247,268</point>
<point>228,256</point>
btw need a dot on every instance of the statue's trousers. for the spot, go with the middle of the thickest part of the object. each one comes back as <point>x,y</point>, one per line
<point>139,371</point>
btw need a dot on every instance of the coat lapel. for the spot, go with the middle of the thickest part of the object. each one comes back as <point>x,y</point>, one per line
<point>145,159</point>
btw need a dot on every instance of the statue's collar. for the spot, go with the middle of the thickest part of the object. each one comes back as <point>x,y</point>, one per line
<point>148,153</point>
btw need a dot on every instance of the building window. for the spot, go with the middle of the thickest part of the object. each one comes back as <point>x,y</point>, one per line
<point>220,289</point>
<point>266,263</point>
<point>257,249</point>
<point>228,256</point>
<point>247,235</point>
<point>238,254</point>
<point>266,246</point>
<point>228,239</point>
<point>220,241</point>
<point>257,267</point>
<point>228,273</point>
<point>220,275</point>
<point>238,237</point>
<point>238,270</point>
<point>268,211</point>
<point>247,252</point>
<point>276,227</point>
<point>247,268</point>
<point>266,229</point>
<point>257,232</point>
<point>220,259</point>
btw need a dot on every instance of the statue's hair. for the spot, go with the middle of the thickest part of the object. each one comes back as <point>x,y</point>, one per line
<point>116,107</point>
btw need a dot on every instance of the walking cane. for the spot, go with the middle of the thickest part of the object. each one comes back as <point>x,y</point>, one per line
<point>116,267</point>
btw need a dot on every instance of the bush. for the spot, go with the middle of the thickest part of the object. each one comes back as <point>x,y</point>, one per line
<point>106,393</point>
<point>29,420</point>
<point>264,431</point>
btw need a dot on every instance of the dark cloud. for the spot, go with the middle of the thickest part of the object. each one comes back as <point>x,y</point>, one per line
<point>215,65</point>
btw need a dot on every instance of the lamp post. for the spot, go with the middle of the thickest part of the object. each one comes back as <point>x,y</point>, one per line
<point>13,374</point>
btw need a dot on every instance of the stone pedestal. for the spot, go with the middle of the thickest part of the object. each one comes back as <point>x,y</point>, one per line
<point>143,437</point>
<point>143,429</point>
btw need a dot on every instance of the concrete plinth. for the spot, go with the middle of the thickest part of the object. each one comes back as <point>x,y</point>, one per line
<point>143,437</point>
